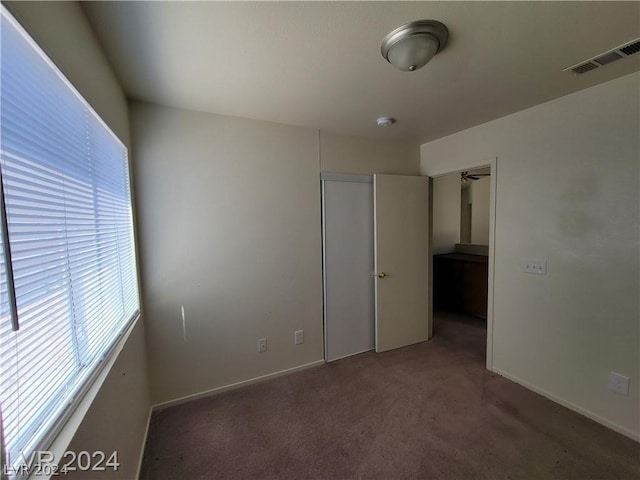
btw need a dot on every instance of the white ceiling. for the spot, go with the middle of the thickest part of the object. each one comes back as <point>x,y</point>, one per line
<point>318,64</point>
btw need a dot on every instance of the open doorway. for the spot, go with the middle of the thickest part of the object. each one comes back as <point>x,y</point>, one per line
<point>462,225</point>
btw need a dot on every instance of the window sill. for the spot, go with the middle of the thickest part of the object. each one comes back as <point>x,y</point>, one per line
<point>67,432</point>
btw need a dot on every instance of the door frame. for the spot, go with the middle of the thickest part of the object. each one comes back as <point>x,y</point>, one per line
<point>464,165</point>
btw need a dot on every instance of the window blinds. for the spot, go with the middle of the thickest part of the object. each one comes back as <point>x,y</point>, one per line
<point>65,181</point>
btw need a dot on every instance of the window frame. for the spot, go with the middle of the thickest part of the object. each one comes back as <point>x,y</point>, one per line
<point>59,429</point>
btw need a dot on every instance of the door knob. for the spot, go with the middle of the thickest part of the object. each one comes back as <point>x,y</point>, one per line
<point>382,275</point>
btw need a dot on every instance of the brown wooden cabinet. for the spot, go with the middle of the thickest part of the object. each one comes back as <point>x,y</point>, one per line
<point>460,283</point>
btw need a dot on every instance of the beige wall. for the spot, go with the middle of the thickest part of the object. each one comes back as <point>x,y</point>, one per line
<point>351,154</point>
<point>568,193</point>
<point>479,195</point>
<point>117,417</point>
<point>229,215</point>
<point>446,213</point>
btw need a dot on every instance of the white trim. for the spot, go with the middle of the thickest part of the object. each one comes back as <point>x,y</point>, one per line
<point>457,168</point>
<point>233,386</point>
<point>571,406</point>
<point>324,271</point>
<point>375,262</point>
<point>144,443</point>
<point>492,258</point>
<point>430,257</point>
<point>345,177</point>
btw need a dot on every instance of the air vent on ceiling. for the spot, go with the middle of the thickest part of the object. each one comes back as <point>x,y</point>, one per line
<point>605,58</point>
<point>631,48</point>
<point>608,58</point>
<point>585,67</point>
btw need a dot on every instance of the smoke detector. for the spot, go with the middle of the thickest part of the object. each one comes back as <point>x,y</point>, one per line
<point>385,121</point>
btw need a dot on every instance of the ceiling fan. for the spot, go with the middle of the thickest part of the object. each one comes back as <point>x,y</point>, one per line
<point>466,176</point>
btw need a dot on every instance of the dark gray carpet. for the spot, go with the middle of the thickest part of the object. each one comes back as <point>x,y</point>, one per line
<point>429,411</point>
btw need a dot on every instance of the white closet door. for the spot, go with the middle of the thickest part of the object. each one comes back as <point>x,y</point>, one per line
<point>348,265</point>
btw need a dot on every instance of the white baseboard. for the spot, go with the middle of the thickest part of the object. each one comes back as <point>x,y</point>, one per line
<point>565,403</point>
<point>144,443</point>
<point>213,391</point>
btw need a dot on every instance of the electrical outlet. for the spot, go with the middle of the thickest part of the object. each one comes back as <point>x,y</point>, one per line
<point>535,266</point>
<point>262,345</point>
<point>299,337</point>
<point>618,383</point>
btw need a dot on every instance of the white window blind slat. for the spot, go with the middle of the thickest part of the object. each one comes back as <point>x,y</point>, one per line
<point>65,182</point>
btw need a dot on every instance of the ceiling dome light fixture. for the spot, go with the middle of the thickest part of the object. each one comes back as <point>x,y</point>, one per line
<point>411,46</point>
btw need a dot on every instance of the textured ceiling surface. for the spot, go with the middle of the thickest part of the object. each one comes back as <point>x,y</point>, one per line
<point>318,64</point>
